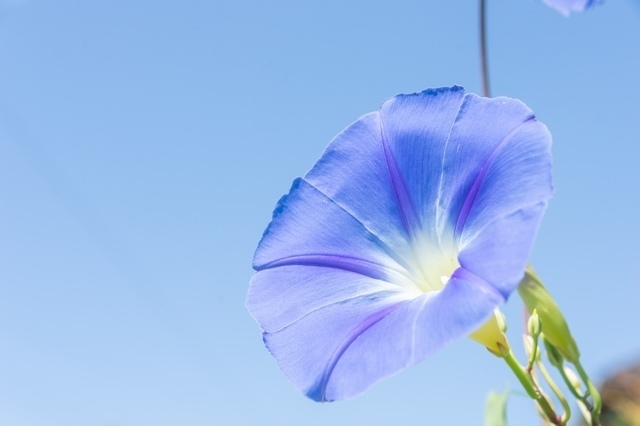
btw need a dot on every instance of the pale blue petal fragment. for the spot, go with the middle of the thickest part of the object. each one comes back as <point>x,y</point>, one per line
<point>567,6</point>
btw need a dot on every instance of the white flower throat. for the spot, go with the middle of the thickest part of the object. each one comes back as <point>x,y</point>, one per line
<point>433,262</point>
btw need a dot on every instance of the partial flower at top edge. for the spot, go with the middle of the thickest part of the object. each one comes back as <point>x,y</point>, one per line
<point>566,7</point>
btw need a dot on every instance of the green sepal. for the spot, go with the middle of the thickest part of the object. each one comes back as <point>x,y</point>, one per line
<point>555,358</point>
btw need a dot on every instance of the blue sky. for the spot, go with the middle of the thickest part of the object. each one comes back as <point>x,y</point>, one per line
<point>144,144</point>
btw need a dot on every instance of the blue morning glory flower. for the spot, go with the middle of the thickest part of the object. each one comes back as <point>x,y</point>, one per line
<point>567,6</point>
<point>411,229</point>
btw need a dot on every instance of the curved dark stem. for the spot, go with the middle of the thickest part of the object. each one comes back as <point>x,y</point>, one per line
<point>483,49</point>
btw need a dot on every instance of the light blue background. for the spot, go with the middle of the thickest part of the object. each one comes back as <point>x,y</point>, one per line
<point>144,144</point>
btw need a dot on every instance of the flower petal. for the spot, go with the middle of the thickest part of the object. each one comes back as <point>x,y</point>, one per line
<point>352,171</point>
<point>499,253</point>
<point>439,140</point>
<point>480,129</point>
<point>416,130</point>
<point>567,6</point>
<point>339,350</point>
<point>501,214</point>
<point>409,169</point>
<point>280,296</point>
<point>308,228</point>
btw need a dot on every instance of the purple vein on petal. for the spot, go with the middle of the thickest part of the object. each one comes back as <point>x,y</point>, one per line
<point>388,250</point>
<point>347,263</point>
<point>480,283</point>
<point>319,392</point>
<point>377,294</point>
<point>475,188</point>
<point>410,220</point>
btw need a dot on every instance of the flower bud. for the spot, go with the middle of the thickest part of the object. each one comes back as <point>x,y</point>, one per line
<point>529,344</point>
<point>534,326</point>
<point>556,331</point>
<point>573,378</point>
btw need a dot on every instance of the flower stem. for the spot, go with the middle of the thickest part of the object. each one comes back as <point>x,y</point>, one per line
<point>483,50</point>
<point>556,390</point>
<point>531,388</point>
<point>595,395</point>
<point>573,390</point>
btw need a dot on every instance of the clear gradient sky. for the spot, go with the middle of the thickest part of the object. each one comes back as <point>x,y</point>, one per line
<point>144,144</point>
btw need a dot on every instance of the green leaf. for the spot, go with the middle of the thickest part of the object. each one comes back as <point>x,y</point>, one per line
<point>495,411</point>
<point>554,327</point>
